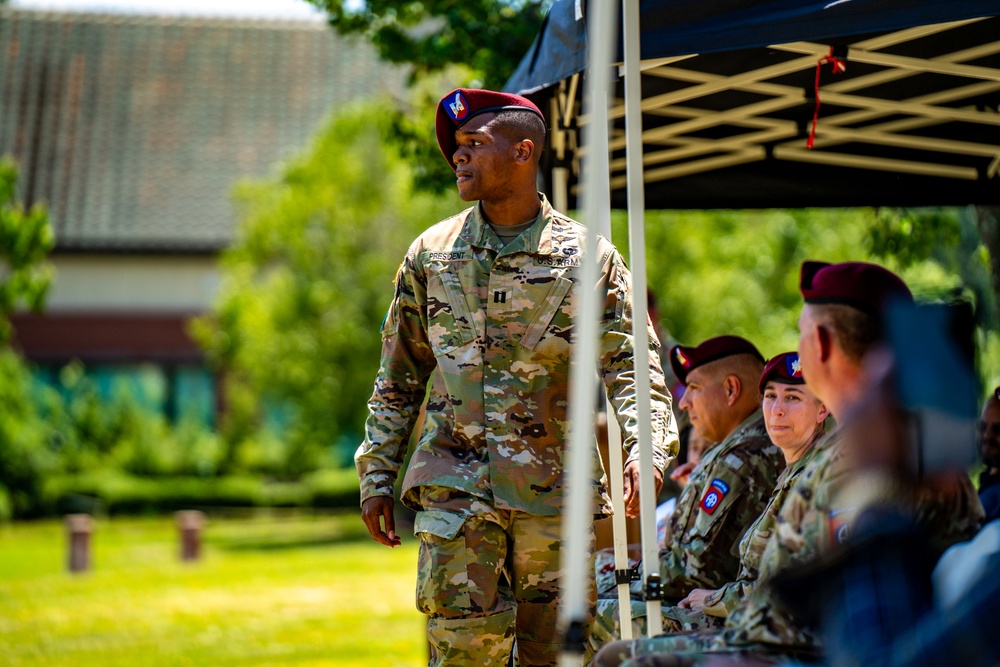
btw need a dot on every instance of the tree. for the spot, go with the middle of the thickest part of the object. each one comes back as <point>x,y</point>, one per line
<point>308,282</point>
<point>26,238</point>
<point>716,272</point>
<point>446,44</point>
<point>487,36</point>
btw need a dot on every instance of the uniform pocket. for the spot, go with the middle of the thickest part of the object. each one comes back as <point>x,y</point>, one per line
<point>548,306</point>
<point>438,522</point>
<point>449,320</point>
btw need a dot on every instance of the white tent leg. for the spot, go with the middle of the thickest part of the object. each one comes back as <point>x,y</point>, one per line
<point>640,307</point>
<point>616,462</point>
<point>579,516</point>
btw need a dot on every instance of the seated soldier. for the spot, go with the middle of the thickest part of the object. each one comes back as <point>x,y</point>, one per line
<point>842,319</point>
<point>725,493</point>
<point>795,420</point>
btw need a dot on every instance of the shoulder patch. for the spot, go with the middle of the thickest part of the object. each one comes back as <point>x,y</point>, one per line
<point>839,528</point>
<point>717,490</point>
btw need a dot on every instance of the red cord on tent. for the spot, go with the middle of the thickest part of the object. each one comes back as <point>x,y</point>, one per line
<point>838,65</point>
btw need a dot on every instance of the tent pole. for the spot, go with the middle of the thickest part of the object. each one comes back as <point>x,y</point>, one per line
<point>560,175</point>
<point>640,308</point>
<point>579,515</point>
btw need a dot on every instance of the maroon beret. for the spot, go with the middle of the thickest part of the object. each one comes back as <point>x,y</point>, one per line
<point>462,104</point>
<point>867,287</point>
<point>685,359</point>
<point>783,369</point>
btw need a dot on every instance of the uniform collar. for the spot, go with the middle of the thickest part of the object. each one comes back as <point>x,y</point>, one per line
<point>755,420</point>
<point>550,235</point>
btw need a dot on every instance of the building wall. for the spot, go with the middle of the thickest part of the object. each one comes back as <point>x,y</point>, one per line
<point>133,283</point>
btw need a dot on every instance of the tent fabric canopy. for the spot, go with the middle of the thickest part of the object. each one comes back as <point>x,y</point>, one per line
<point>729,99</point>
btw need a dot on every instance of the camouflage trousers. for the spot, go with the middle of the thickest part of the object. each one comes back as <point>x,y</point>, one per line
<point>686,649</point>
<point>489,581</point>
<point>607,624</point>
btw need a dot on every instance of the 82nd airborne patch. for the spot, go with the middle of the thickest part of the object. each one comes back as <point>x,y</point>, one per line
<point>717,490</point>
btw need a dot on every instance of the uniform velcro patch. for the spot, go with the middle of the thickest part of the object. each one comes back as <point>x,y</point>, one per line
<point>717,490</point>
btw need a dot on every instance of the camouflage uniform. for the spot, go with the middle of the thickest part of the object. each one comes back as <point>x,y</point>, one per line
<point>731,595</point>
<point>727,491</point>
<point>490,326</point>
<point>756,623</point>
<point>814,518</point>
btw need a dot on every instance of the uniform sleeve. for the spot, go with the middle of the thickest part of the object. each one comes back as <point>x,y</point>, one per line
<point>706,554</point>
<point>617,366</point>
<point>406,363</point>
<point>727,598</point>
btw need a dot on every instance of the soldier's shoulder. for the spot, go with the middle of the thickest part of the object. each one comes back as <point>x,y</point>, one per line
<point>442,234</point>
<point>751,439</point>
<point>567,226</point>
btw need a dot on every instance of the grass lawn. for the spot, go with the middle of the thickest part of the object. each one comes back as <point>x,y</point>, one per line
<point>270,590</point>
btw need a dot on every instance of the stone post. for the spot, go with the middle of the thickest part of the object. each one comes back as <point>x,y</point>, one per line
<point>78,530</point>
<point>189,526</point>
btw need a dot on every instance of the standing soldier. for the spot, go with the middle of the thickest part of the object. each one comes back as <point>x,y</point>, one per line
<point>484,311</point>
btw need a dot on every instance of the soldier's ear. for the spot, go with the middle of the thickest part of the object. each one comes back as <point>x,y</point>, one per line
<point>733,388</point>
<point>524,150</point>
<point>824,342</point>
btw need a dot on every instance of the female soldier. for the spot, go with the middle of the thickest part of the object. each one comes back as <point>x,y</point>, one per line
<point>794,418</point>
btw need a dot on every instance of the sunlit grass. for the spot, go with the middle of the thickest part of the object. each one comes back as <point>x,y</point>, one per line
<point>291,590</point>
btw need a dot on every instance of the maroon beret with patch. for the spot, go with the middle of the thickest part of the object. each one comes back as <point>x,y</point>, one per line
<point>867,287</point>
<point>783,369</point>
<point>685,359</point>
<point>462,104</point>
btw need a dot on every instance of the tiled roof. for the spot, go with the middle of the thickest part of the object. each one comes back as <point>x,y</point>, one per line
<point>134,129</point>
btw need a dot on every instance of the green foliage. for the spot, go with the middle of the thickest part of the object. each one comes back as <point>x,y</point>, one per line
<point>307,284</point>
<point>477,43</point>
<point>24,457</point>
<point>113,491</point>
<point>487,36</point>
<point>716,272</point>
<point>26,238</point>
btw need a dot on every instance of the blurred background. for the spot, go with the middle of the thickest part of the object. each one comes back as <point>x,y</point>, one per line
<point>202,207</point>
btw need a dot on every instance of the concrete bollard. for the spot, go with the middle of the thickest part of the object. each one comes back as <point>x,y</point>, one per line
<point>189,526</point>
<point>78,530</point>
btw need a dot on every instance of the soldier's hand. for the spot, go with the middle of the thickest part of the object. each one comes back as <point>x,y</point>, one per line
<point>377,511</point>
<point>695,599</point>
<point>632,487</point>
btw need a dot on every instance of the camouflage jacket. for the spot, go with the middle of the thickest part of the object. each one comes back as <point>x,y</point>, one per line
<point>802,530</point>
<point>815,518</point>
<point>491,328</point>
<point>727,490</point>
<point>752,546</point>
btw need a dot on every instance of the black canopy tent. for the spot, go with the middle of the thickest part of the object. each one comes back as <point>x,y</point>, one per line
<point>729,98</point>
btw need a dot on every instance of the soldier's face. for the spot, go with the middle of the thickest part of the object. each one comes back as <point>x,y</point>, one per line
<point>484,161</point>
<point>706,405</point>
<point>989,433</point>
<point>792,414</point>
